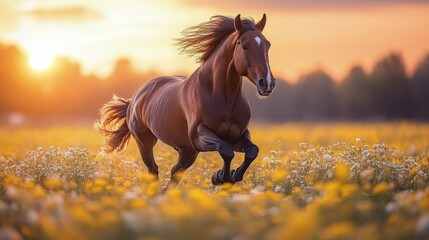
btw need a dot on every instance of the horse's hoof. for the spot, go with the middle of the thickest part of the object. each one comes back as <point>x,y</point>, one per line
<point>216,180</point>
<point>234,177</point>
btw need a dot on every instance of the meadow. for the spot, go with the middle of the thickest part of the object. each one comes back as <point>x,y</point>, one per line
<point>310,181</point>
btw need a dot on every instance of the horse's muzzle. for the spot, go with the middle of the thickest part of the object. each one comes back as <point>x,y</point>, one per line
<point>264,87</point>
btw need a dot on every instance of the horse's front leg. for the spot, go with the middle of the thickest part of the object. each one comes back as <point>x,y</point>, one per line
<point>206,140</point>
<point>244,144</point>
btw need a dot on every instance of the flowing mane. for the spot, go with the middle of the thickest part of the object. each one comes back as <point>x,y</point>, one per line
<point>201,40</point>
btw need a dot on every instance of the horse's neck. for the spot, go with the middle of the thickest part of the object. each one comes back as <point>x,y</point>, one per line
<point>222,73</point>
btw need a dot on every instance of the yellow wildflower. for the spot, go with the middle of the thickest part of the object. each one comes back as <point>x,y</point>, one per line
<point>303,225</point>
<point>202,200</point>
<point>414,170</point>
<point>39,192</point>
<point>138,203</point>
<point>11,179</point>
<point>342,230</point>
<point>342,171</point>
<point>380,189</point>
<point>348,190</point>
<point>152,188</point>
<point>127,184</point>
<point>97,189</point>
<point>99,182</point>
<point>118,180</point>
<point>296,190</point>
<point>29,185</point>
<point>279,175</point>
<point>109,188</point>
<point>72,184</point>
<point>177,210</point>
<point>120,190</point>
<point>54,183</point>
<point>144,178</point>
<point>174,193</point>
<point>226,186</point>
<point>107,218</point>
<point>274,196</point>
<point>48,225</point>
<point>82,215</point>
<point>109,201</point>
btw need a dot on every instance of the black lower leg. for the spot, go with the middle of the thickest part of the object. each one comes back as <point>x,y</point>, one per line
<point>251,152</point>
<point>224,175</point>
<point>237,175</point>
<point>186,159</point>
<point>154,171</point>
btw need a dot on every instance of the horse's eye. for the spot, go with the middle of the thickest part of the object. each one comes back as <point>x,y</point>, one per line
<point>245,47</point>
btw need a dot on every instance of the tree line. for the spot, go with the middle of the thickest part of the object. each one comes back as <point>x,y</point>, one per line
<point>63,92</point>
<point>386,93</point>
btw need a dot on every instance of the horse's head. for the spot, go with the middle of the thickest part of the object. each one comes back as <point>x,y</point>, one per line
<point>251,55</point>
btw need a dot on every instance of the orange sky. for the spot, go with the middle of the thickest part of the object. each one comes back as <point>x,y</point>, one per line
<point>332,36</point>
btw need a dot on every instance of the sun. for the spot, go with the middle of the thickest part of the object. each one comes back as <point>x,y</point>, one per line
<point>40,61</point>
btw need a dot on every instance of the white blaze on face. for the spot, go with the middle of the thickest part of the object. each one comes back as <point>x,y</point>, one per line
<point>269,79</point>
<point>258,40</point>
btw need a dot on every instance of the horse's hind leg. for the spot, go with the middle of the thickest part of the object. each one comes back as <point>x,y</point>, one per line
<point>146,141</point>
<point>186,159</point>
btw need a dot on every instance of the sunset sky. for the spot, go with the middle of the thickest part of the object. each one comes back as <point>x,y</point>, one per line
<point>331,35</point>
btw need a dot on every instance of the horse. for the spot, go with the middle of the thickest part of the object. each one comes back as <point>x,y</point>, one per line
<point>206,111</point>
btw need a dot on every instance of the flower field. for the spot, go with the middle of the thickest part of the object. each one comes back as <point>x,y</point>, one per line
<point>321,181</point>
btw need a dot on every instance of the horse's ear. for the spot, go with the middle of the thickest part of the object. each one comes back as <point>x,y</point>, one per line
<point>261,24</point>
<point>237,22</point>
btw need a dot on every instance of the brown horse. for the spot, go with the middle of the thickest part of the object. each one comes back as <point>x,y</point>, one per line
<point>205,112</point>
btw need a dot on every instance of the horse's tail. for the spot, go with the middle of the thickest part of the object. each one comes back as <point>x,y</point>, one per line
<point>113,125</point>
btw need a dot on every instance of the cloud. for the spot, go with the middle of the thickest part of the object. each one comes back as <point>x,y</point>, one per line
<point>301,4</point>
<point>64,13</point>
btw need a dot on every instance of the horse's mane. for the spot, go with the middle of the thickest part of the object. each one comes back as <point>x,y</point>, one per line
<point>203,39</point>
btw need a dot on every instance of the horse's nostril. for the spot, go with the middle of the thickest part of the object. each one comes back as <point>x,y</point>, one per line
<point>262,83</point>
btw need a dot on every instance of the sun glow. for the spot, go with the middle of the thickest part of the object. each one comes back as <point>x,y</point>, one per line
<point>40,61</point>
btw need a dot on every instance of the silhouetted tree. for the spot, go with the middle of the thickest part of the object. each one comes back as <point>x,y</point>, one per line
<point>420,85</point>
<point>316,97</point>
<point>12,71</point>
<point>354,95</point>
<point>278,107</point>
<point>391,89</point>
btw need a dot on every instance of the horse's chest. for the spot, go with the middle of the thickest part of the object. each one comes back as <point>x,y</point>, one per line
<point>229,132</point>
<point>227,124</point>
<point>230,128</point>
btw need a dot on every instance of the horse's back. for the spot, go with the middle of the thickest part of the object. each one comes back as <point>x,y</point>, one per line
<point>156,87</point>
<point>157,106</point>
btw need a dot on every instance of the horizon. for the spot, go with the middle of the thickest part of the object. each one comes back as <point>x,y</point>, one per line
<point>45,66</point>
